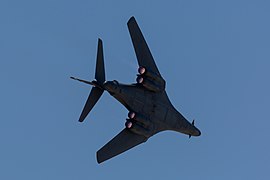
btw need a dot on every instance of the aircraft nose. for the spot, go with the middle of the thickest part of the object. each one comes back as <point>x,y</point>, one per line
<point>198,132</point>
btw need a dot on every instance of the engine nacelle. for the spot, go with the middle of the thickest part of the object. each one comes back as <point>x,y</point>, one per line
<point>141,70</point>
<point>131,115</point>
<point>144,72</point>
<point>128,124</point>
<point>138,124</point>
<point>151,85</point>
<point>136,128</point>
<point>139,118</point>
<point>150,80</point>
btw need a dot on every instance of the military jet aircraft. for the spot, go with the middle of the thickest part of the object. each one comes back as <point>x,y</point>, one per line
<point>150,110</point>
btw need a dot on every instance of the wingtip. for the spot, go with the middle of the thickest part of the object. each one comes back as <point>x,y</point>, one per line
<point>99,40</point>
<point>99,161</point>
<point>132,18</point>
<point>81,119</point>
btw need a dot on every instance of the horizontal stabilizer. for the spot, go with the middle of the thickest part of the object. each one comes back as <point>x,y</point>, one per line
<point>90,102</point>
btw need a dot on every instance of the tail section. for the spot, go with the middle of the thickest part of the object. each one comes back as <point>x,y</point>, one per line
<point>93,97</point>
<point>100,70</point>
<point>98,89</point>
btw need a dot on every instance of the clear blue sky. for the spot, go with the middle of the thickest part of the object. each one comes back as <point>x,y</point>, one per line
<point>214,55</point>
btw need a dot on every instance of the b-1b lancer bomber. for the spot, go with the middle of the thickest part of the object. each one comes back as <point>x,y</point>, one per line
<point>150,110</point>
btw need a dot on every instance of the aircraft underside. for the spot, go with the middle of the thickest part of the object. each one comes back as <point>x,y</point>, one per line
<point>149,108</point>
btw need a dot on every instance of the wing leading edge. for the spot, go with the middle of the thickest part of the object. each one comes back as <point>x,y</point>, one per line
<point>122,142</point>
<point>141,48</point>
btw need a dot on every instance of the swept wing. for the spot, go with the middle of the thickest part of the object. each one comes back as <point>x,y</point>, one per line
<point>124,141</point>
<point>143,54</point>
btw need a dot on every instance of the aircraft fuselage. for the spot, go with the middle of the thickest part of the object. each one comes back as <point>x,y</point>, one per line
<point>155,108</point>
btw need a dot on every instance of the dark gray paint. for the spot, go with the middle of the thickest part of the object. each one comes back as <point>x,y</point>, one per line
<point>148,100</point>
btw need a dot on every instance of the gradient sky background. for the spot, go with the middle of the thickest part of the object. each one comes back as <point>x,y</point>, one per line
<point>214,55</point>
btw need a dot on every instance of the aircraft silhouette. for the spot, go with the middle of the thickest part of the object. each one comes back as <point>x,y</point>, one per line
<point>150,110</point>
